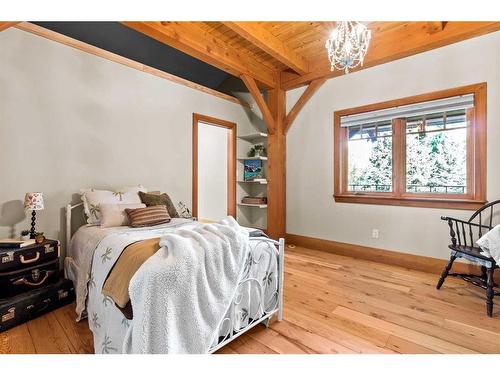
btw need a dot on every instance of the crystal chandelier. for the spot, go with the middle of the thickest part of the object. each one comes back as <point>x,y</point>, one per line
<point>347,45</point>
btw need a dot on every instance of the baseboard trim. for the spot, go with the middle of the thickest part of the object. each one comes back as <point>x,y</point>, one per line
<point>416,262</point>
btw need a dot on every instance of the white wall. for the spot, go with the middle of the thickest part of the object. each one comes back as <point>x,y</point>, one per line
<point>212,172</point>
<point>69,120</point>
<point>311,210</point>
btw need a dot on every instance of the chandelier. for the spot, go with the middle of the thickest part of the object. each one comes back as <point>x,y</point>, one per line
<point>347,45</point>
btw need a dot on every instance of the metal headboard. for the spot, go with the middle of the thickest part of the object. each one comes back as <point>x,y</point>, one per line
<point>69,208</point>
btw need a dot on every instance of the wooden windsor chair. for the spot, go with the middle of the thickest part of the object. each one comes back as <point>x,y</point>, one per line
<point>464,235</point>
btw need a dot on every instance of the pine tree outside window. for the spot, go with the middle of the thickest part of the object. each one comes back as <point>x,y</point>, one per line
<point>436,153</point>
<point>370,157</point>
<point>423,151</point>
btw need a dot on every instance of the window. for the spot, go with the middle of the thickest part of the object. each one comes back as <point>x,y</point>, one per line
<point>436,153</point>
<point>428,150</point>
<point>370,157</point>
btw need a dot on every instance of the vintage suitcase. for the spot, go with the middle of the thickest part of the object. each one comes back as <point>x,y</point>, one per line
<point>29,256</point>
<point>22,280</point>
<point>29,305</point>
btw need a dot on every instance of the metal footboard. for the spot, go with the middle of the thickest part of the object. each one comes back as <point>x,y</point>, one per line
<point>230,328</point>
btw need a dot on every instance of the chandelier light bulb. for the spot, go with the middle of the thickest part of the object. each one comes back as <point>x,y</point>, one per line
<point>360,28</point>
<point>347,45</point>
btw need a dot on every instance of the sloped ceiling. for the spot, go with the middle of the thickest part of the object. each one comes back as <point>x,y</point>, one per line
<point>119,39</point>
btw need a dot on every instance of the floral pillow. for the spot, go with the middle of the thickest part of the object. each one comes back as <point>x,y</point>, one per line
<point>184,211</point>
<point>93,198</point>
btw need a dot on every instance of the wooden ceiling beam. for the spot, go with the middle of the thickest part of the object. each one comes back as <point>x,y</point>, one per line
<point>304,98</point>
<point>261,103</point>
<point>4,25</point>
<point>396,43</point>
<point>192,40</point>
<point>435,26</point>
<point>270,44</point>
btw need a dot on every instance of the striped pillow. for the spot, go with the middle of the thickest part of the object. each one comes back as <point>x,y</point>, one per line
<point>152,215</point>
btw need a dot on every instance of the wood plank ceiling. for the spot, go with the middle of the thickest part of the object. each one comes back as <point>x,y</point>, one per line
<point>292,54</point>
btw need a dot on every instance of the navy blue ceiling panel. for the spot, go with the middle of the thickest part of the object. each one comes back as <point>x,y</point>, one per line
<point>119,39</point>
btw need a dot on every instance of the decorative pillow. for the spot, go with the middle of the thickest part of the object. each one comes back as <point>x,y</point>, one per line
<point>184,211</point>
<point>152,215</point>
<point>159,200</point>
<point>114,215</point>
<point>93,198</point>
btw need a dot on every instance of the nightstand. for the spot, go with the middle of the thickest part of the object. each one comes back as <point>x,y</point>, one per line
<point>30,283</point>
<point>28,268</point>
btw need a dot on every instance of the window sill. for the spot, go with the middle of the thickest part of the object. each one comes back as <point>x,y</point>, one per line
<point>456,204</point>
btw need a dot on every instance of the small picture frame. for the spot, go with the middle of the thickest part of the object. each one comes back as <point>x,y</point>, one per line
<point>252,169</point>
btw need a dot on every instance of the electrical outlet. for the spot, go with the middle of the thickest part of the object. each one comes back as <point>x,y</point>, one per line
<point>374,233</point>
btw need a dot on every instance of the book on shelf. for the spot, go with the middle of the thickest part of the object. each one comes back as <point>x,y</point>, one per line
<point>15,244</point>
<point>254,200</point>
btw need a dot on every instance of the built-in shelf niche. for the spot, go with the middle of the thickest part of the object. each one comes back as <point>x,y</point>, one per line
<point>252,215</point>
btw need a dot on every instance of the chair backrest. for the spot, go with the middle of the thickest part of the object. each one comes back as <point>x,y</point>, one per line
<point>486,217</point>
<point>466,233</point>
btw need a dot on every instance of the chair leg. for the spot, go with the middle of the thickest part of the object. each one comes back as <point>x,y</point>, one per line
<point>484,276</point>
<point>489,292</point>
<point>445,272</point>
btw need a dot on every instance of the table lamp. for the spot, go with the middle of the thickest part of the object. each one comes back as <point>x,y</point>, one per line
<point>34,202</point>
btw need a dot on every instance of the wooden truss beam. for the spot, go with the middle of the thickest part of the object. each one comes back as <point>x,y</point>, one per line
<point>192,40</point>
<point>267,42</point>
<point>396,43</point>
<point>261,103</point>
<point>4,25</point>
<point>304,98</point>
<point>276,173</point>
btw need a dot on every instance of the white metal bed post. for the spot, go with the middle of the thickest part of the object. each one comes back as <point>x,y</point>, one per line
<point>68,226</point>
<point>69,209</point>
<point>281,264</point>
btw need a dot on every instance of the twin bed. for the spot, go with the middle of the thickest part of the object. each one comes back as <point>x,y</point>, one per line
<point>255,297</point>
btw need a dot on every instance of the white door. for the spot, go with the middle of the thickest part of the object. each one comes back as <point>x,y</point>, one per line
<point>212,172</point>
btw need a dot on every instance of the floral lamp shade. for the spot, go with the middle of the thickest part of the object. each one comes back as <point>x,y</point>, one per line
<point>33,201</point>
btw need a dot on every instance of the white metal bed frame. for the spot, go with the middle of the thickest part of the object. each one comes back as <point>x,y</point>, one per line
<point>265,313</point>
<point>69,209</point>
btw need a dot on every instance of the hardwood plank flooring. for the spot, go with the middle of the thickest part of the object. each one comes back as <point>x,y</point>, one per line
<point>48,335</point>
<point>333,304</point>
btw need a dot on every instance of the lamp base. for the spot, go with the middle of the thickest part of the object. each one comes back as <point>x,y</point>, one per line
<point>33,219</point>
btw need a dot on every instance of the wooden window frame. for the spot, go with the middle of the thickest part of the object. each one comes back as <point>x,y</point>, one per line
<point>231,161</point>
<point>476,156</point>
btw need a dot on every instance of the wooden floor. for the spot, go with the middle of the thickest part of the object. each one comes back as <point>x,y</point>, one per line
<point>333,304</point>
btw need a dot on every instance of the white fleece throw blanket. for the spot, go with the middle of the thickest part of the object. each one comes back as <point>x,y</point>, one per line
<point>490,243</point>
<point>181,294</point>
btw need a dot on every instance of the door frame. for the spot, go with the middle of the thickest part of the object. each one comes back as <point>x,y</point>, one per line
<point>231,161</point>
